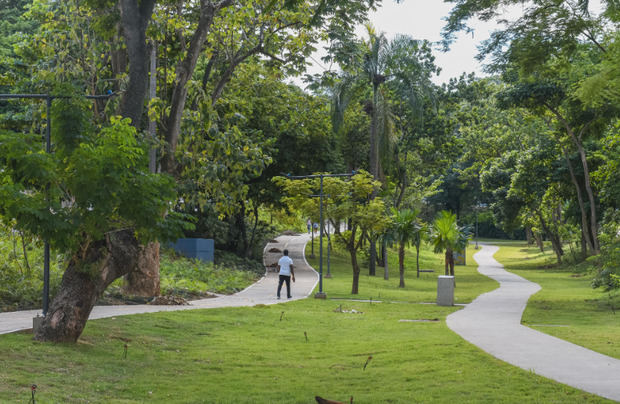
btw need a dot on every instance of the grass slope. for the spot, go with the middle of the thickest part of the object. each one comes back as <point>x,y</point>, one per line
<point>567,307</point>
<point>284,353</point>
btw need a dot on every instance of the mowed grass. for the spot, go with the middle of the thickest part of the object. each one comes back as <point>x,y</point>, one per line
<point>469,283</point>
<point>283,353</point>
<point>567,306</point>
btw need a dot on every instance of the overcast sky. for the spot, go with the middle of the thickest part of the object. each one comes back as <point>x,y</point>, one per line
<point>424,19</point>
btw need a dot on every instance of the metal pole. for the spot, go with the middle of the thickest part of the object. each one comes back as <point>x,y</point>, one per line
<point>48,149</point>
<point>329,249</point>
<point>153,94</point>
<point>321,294</point>
<point>476,228</point>
<point>312,235</point>
<point>46,245</point>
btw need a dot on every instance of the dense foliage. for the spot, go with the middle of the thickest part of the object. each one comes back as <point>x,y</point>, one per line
<point>531,151</point>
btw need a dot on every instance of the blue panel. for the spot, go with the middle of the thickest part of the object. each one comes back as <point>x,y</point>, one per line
<point>200,248</point>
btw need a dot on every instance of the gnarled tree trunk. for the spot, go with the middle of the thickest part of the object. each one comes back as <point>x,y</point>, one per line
<point>88,274</point>
<point>144,279</point>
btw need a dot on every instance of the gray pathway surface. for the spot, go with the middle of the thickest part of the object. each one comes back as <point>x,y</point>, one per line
<point>262,292</point>
<point>493,323</point>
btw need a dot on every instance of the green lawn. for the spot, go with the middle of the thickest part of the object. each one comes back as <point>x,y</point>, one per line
<point>469,282</point>
<point>261,354</point>
<point>567,306</point>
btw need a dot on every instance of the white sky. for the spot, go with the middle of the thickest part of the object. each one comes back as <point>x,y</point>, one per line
<point>423,19</point>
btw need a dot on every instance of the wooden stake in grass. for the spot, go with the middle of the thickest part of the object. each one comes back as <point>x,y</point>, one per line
<point>281,315</point>
<point>125,351</point>
<point>306,335</point>
<point>367,361</point>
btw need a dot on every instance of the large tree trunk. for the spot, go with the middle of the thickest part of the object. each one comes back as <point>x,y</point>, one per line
<point>185,70</point>
<point>88,274</point>
<point>577,140</point>
<point>593,218</point>
<point>401,264</point>
<point>135,18</point>
<point>144,280</point>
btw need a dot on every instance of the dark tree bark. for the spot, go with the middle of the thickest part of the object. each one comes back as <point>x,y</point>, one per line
<point>144,279</point>
<point>356,272</point>
<point>556,243</point>
<point>528,235</point>
<point>372,265</point>
<point>401,264</point>
<point>135,18</point>
<point>88,274</point>
<point>585,230</point>
<point>185,70</point>
<point>539,241</point>
<point>577,141</point>
<point>374,168</point>
<point>417,257</point>
<point>386,269</point>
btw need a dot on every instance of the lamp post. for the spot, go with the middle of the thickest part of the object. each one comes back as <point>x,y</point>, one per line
<point>477,208</point>
<point>320,294</point>
<point>312,240</point>
<point>328,275</point>
<point>48,149</point>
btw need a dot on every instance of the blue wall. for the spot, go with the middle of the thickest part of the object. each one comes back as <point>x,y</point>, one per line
<point>200,248</point>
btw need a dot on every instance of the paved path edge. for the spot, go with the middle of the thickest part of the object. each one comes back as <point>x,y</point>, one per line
<point>492,322</point>
<point>260,292</point>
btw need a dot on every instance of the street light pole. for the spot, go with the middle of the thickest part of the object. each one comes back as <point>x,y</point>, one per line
<point>320,294</point>
<point>329,249</point>
<point>48,149</point>
<point>476,228</point>
<point>46,245</point>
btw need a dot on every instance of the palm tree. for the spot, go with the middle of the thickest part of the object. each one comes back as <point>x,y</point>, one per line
<point>446,236</point>
<point>404,62</point>
<point>405,230</point>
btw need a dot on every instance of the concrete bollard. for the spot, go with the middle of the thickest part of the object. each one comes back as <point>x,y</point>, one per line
<point>445,290</point>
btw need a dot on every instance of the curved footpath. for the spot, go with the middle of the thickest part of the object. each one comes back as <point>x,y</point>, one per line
<point>261,292</point>
<point>493,323</point>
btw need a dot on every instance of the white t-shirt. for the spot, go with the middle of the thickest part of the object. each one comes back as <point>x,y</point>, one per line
<point>285,265</point>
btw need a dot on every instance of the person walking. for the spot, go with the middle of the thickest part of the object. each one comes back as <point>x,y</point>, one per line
<point>285,266</point>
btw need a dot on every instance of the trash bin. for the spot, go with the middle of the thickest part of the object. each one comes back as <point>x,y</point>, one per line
<point>445,290</point>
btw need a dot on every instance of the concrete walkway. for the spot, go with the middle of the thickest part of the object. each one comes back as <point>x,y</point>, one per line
<point>262,292</point>
<point>493,323</point>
